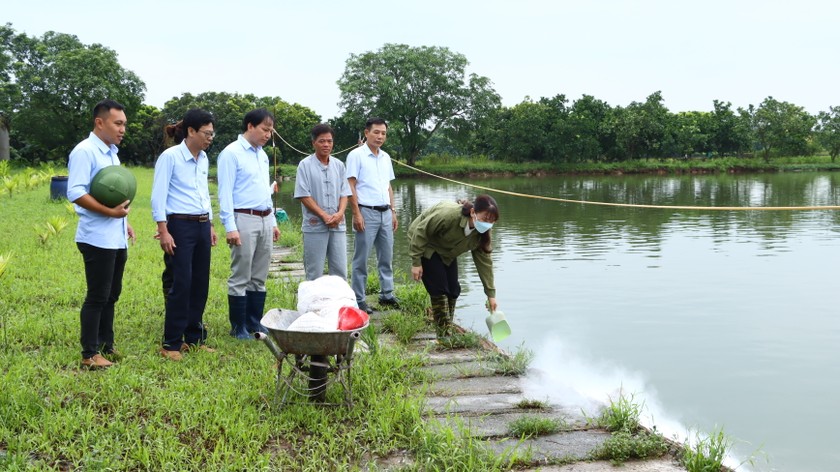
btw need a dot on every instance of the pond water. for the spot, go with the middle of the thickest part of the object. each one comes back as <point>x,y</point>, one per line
<point>711,318</point>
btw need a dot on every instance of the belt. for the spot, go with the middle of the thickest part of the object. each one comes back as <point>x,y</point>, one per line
<point>180,216</point>
<point>379,208</point>
<point>253,212</point>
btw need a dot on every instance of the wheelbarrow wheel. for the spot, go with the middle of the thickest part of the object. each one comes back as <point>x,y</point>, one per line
<point>318,378</point>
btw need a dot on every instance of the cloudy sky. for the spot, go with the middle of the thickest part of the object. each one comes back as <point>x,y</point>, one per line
<point>739,51</point>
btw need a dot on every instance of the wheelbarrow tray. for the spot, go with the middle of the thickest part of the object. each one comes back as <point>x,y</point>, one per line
<point>312,343</point>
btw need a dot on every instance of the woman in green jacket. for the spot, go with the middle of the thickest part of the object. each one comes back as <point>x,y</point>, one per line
<point>435,240</point>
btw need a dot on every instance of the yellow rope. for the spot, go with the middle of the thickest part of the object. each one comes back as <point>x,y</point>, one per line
<point>623,205</point>
<point>308,153</point>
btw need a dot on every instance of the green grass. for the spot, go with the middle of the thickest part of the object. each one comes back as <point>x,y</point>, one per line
<point>465,340</point>
<point>706,453</point>
<point>514,364</point>
<point>531,404</point>
<point>208,412</point>
<point>405,326</point>
<point>622,446</point>
<point>628,440</point>
<point>531,426</point>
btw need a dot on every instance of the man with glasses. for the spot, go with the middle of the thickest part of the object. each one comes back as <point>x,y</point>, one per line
<point>181,208</point>
<point>246,210</point>
<point>369,172</point>
<point>321,186</point>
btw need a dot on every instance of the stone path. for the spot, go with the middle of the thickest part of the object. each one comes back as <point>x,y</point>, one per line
<point>466,392</point>
<point>282,268</point>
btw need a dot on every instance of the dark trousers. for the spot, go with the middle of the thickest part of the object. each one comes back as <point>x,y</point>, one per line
<point>190,269</point>
<point>103,273</point>
<point>439,278</point>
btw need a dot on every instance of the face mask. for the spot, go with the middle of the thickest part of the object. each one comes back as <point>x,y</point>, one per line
<point>482,226</point>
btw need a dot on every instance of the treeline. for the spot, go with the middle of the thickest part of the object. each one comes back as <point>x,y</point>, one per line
<point>49,84</point>
<point>590,130</point>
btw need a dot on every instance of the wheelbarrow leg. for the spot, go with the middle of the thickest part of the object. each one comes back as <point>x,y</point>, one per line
<point>318,366</point>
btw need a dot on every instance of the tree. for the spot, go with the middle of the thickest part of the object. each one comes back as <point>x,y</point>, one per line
<point>143,140</point>
<point>417,89</point>
<point>690,131</point>
<point>729,133</point>
<point>589,140</point>
<point>828,131</point>
<point>780,125</point>
<point>9,91</point>
<point>59,80</point>
<point>292,121</point>
<point>642,128</point>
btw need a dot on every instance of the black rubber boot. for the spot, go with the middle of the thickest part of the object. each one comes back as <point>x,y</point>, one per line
<point>236,314</point>
<point>254,312</point>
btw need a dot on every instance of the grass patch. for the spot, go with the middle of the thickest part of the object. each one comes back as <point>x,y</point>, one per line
<point>465,340</point>
<point>628,440</point>
<point>512,364</point>
<point>707,453</point>
<point>403,325</point>
<point>208,412</point>
<point>531,426</point>
<point>527,404</point>
<point>622,446</point>
<point>622,414</point>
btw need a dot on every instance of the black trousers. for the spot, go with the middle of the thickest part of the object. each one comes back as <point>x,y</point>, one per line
<point>104,273</point>
<point>439,278</point>
<point>190,271</point>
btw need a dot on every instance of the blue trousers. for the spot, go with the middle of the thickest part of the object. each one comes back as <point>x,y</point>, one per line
<point>190,270</point>
<point>378,234</point>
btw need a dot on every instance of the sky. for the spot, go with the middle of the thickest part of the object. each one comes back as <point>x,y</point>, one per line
<point>738,51</point>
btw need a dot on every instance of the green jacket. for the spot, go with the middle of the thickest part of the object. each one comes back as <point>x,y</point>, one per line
<point>440,229</point>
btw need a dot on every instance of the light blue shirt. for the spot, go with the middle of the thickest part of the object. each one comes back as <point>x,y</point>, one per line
<point>326,184</point>
<point>373,175</point>
<point>96,229</point>
<point>180,184</point>
<point>244,181</point>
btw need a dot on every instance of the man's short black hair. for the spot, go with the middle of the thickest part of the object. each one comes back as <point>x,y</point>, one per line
<point>256,118</point>
<point>375,121</point>
<point>104,107</point>
<point>320,129</point>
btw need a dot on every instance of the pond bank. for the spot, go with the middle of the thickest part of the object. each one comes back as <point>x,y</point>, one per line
<point>466,392</point>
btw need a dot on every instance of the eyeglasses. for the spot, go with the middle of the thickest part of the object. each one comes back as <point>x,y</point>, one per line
<point>209,134</point>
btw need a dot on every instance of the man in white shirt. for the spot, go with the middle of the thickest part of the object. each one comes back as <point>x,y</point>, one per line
<point>369,172</point>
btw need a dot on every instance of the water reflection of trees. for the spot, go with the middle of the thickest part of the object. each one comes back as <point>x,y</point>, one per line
<point>559,221</point>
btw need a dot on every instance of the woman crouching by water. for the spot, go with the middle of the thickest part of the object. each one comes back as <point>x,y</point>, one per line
<point>435,240</point>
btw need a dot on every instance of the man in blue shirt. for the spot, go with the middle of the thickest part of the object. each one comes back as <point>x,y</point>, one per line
<point>246,210</point>
<point>181,208</point>
<point>102,234</point>
<point>369,172</point>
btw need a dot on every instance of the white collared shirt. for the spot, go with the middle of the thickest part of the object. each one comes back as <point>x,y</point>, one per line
<point>373,174</point>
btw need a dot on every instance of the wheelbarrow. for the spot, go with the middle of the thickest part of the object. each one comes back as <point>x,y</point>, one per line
<point>311,356</point>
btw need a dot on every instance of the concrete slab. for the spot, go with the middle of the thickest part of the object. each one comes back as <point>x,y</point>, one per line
<point>453,356</point>
<point>664,464</point>
<point>573,445</point>
<point>475,386</point>
<point>498,425</point>
<point>461,370</point>
<point>473,405</point>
